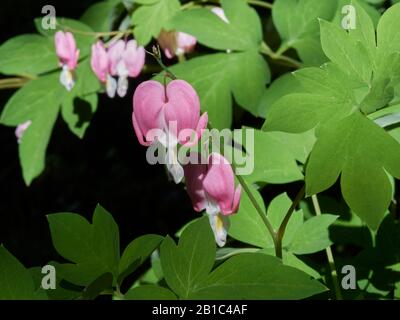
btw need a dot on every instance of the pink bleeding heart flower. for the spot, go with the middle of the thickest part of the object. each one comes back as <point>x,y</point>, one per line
<point>158,107</point>
<point>126,59</point>
<point>220,13</point>
<point>211,187</point>
<point>68,56</point>
<point>99,61</point>
<point>176,43</point>
<point>21,128</point>
<point>100,64</point>
<point>169,114</point>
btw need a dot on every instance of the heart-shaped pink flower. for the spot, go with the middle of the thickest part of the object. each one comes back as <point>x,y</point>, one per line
<point>68,56</point>
<point>174,109</point>
<point>66,49</point>
<point>211,186</point>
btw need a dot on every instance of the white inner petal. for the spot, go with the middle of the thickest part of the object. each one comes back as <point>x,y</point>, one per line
<point>67,78</point>
<point>122,86</point>
<point>122,70</point>
<point>212,207</point>
<point>111,86</point>
<point>173,166</point>
<point>219,225</point>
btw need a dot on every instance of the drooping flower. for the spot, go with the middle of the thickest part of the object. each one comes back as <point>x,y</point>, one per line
<point>121,60</point>
<point>211,187</point>
<point>174,111</point>
<point>176,43</point>
<point>100,66</point>
<point>126,59</point>
<point>68,56</point>
<point>20,130</point>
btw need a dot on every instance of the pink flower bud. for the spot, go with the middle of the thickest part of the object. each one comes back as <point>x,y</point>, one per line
<point>176,43</point>
<point>66,49</point>
<point>134,58</point>
<point>212,186</point>
<point>68,56</point>
<point>126,58</point>
<point>175,109</point>
<point>99,61</point>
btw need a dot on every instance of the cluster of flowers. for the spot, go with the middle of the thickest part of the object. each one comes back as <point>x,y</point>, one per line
<point>210,182</point>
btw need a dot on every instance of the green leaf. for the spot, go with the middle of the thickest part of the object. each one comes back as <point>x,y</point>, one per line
<point>27,55</point>
<point>80,31</point>
<point>64,289</point>
<point>313,235</point>
<point>256,276</point>
<point>247,226</point>
<point>363,153</point>
<point>33,145</point>
<point>281,86</point>
<point>72,236</point>
<point>190,262</point>
<point>149,292</point>
<point>106,239</point>
<point>137,252</point>
<point>77,113</point>
<point>35,99</point>
<point>327,97</point>
<point>216,76</point>
<point>100,16</point>
<point>273,162</point>
<point>277,211</point>
<point>299,145</point>
<point>80,104</point>
<point>94,289</point>
<point>94,248</point>
<point>289,259</point>
<point>16,282</point>
<point>298,26</point>
<point>38,101</point>
<point>339,46</point>
<point>388,38</point>
<point>151,17</point>
<point>243,32</point>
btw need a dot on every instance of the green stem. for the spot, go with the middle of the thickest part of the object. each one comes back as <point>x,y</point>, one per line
<point>266,50</point>
<point>157,55</point>
<point>329,254</point>
<point>281,231</point>
<point>260,211</point>
<point>10,83</point>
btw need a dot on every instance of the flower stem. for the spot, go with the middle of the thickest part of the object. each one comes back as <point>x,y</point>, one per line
<point>329,254</point>
<point>260,212</point>
<point>95,34</point>
<point>10,83</point>
<point>281,231</point>
<point>156,54</point>
<point>266,50</point>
